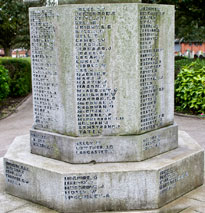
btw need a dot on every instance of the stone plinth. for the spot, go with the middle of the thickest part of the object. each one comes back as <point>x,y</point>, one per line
<point>103,94</point>
<point>102,69</point>
<point>106,148</point>
<point>106,186</point>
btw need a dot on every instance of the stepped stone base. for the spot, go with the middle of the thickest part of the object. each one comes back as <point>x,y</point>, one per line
<point>107,186</point>
<point>106,148</point>
<point>188,203</point>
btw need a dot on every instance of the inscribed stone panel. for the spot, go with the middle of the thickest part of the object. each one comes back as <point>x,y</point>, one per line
<point>102,69</point>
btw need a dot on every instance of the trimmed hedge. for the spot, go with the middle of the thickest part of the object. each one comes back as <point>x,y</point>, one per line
<point>4,82</point>
<point>190,88</point>
<point>20,74</point>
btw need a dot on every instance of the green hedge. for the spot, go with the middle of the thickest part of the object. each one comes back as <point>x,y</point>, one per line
<point>190,88</point>
<point>20,74</point>
<point>4,82</point>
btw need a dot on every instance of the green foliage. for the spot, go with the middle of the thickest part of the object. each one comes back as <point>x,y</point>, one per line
<point>20,74</point>
<point>4,82</point>
<point>181,63</point>
<point>190,88</point>
<point>14,24</point>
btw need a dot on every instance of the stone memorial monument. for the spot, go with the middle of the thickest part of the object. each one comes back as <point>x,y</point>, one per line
<point>104,137</point>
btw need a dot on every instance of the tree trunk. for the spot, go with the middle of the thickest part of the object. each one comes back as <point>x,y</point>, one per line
<point>7,51</point>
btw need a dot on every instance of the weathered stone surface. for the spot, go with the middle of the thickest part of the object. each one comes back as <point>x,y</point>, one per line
<point>107,186</point>
<point>193,200</point>
<point>60,2</point>
<point>106,148</point>
<point>104,69</point>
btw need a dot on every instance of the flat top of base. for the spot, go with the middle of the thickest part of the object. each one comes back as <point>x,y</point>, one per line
<point>20,151</point>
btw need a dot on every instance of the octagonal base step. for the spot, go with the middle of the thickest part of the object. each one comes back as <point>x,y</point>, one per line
<point>104,148</point>
<point>106,186</point>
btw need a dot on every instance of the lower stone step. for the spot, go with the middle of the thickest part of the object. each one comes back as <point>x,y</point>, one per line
<point>66,187</point>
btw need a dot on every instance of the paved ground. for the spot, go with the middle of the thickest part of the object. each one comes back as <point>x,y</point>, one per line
<point>194,127</point>
<point>20,122</point>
